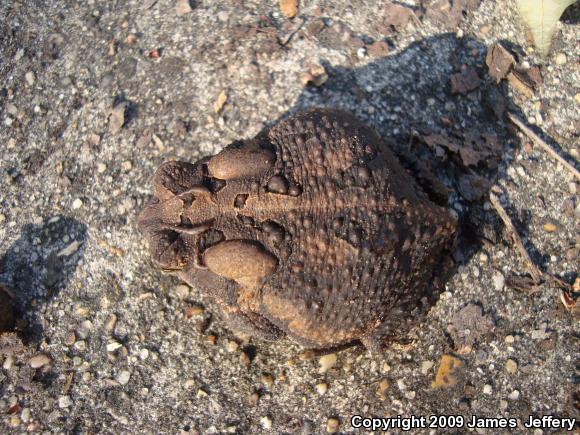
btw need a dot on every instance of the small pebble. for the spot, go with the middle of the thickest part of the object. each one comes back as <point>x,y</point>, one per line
<point>64,402</point>
<point>38,361</point>
<point>110,323</point>
<point>245,359</point>
<point>514,395</point>
<point>511,366</point>
<point>123,377</point>
<point>181,291</point>
<point>268,380</point>
<point>201,393</point>
<point>77,203</point>
<point>401,385</point>
<point>503,404</point>
<point>11,109</point>
<point>30,78</point>
<point>232,346</point>
<point>321,388</point>
<point>143,354</point>
<point>113,346</point>
<point>81,345</point>
<point>70,339</point>
<point>560,59</point>
<point>332,425</point>
<point>509,339</point>
<point>25,415</point>
<point>84,329</point>
<point>182,7</point>
<point>384,385</point>
<point>498,281</point>
<point>253,399</point>
<point>101,167</point>
<point>487,389</point>
<point>326,362</point>
<point>426,366</point>
<point>289,8</point>
<point>266,422</point>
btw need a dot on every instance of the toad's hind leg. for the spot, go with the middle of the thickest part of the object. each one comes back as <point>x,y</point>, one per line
<point>252,324</point>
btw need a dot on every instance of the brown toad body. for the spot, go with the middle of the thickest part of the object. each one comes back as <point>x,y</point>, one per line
<point>312,230</point>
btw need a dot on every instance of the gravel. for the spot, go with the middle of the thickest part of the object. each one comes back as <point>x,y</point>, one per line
<point>95,95</point>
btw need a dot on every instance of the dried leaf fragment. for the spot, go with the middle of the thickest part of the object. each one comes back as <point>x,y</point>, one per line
<point>541,17</point>
<point>289,8</point>
<point>450,13</point>
<point>499,61</point>
<point>465,81</point>
<point>446,376</point>
<point>219,103</point>
<point>525,81</point>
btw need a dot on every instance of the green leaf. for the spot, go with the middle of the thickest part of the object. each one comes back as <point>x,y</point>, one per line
<point>541,16</point>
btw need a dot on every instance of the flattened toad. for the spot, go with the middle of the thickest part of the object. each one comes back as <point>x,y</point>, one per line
<point>311,230</point>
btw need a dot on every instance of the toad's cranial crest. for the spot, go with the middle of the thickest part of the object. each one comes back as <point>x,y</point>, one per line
<point>311,229</point>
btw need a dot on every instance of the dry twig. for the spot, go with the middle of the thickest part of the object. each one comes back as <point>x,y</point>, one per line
<point>530,266</point>
<point>543,144</point>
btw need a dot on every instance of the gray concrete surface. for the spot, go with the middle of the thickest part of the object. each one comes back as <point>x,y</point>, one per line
<point>129,348</point>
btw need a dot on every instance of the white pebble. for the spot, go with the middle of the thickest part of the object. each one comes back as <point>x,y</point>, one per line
<point>38,361</point>
<point>426,366</point>
<point>123,377</point>
<point>266,422</point>
<point>498,281</point>
<point>64,402</point>
<point>77,203</point>
<point>29,77</point>
<point>113,346</point>
<point>487,389</point>
<point>560,59</point>
<point>144,354</point>
<point>326,362</point>
<point>25,415</point>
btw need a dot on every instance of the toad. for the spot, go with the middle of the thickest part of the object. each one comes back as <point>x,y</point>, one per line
<point>311,230</point>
